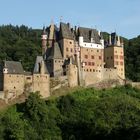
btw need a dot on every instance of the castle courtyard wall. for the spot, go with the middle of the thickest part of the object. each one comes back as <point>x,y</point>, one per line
<point>14,83</point>
<point>41,83</point>
<point>72,75</point>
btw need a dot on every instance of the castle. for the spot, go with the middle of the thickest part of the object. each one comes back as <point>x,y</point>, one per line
<point>79,54</point>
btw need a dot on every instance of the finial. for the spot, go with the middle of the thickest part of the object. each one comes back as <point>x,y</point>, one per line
<point>61,18</point>
<point>44,30</point>
<point>52,21</point>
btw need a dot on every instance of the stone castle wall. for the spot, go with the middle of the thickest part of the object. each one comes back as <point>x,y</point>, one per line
<point>41,83</point>
<point>67,47</point>
<point>91,78</point>
<point>72,75</point>
<point>14,83</point>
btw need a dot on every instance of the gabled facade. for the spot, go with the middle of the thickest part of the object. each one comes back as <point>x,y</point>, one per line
<point>86,47</point>
<point>114,55</point>
<point>15,81</point>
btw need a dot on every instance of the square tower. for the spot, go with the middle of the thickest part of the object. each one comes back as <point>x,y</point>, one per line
<point>114,55</point>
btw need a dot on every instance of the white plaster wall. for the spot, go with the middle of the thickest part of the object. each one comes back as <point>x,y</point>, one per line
<point>90,45</point>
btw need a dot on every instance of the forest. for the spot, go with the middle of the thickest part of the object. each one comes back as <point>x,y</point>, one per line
<point>21,43</point>
<point>84,114</point>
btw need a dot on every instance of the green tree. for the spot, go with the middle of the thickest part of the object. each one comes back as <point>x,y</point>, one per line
<point>13,125</point>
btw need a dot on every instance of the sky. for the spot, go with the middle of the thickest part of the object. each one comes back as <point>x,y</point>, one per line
<point>122,16</point>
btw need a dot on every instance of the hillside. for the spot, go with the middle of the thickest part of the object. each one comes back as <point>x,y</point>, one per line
<point>132,53</point>
<point>20,43</point>
<point>85,114</point>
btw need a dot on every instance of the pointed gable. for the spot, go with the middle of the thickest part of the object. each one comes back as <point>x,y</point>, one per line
<point>37,67</point>
<point>88,33</point>
<point>55,52</point>
<point>52,32</point>
<point>65,31</point>
<point>14,67</point>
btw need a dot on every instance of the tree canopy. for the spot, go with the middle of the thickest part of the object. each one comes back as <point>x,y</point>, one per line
<point>85,114</point>
<point>20,43</point>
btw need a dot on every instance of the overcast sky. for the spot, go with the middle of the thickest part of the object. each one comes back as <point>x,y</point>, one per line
<point>122,16</point>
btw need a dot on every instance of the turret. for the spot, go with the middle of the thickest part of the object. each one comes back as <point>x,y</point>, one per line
<point>102,39</point>
<point>121,43</point>
<point>113,38</point>
<point>44,41</point>
<point>81,40</point>
<point>5,69</point>
<point>92,37</point>
<point>118,41</point>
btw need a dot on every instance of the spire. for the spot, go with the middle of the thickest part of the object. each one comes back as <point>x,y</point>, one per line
<point>113,39</point>
<point>44,31</point>
<point>52,22</point>
<point>44,40</point>
<point>102,39</point>
<point>122,42</point>
<point>101,35</point>
<point>51,33</point>
<point>42,71</point>
<point>110,43</point>
<point>118,41</point>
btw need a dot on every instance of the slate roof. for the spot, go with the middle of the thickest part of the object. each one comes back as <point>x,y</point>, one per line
<point>65,31</point>
<point>88,33</point>
<point>38,62</point>
<point>55,52</point>
<point>14,67</point>
<point>113,38</point>
<point>53,32</point>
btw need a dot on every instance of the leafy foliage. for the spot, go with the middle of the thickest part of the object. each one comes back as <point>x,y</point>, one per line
<point>20,44</point>
<point>84,114</point>
<point>132,52</point>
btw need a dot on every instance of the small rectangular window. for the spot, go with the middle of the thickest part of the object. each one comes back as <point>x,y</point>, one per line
<point>28,78</point>
<point>121,63</point>
<point>116,62</point>
<point>92,57</point>
<point>121,57</point>
<point>116,56</point>
<point>86,56</point>
<point>89,63</point>
<point>93,63</point>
